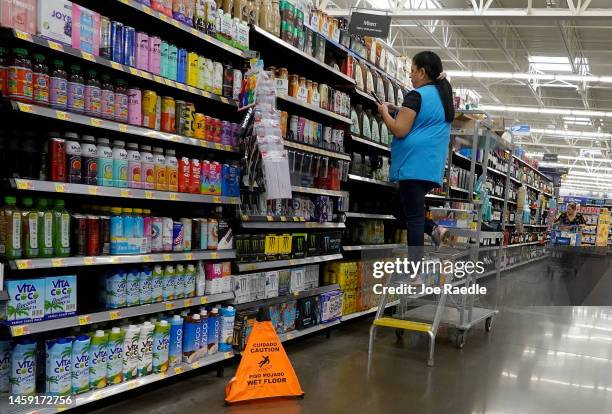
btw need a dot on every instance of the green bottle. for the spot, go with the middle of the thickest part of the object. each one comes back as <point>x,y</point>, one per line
<point>61,230</point>
<point>29,223</point>
<point>10,229</point>
<point>45,228</point>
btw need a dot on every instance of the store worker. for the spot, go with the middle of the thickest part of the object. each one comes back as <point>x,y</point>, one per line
<point>571,217</point>
<point>421,130</point>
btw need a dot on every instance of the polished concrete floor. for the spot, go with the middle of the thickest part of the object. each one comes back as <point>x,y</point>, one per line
<point>546,354</point>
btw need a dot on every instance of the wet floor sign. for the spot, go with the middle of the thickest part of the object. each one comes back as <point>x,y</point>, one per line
<point>265,370</point>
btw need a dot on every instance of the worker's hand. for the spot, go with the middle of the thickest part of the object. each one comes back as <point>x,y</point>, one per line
<point>386,108</point>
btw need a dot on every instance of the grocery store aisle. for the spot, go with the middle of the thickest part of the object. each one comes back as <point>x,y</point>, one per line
<point>538,359</point>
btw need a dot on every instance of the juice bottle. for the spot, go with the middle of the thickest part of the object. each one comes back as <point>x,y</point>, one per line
<point>29,221</point>
<point>120,164</point>
<point>45,228</point>
<point>148,167</point>
<point>171,170</point>
<point>134,166</point>
<point>61,230</point>
<point>160,169</point>
<point>105,163</point>
<point>10,229</point>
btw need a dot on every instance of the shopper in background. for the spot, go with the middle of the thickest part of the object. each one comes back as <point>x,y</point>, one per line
<point>421,130</point>
<point>571,217</point>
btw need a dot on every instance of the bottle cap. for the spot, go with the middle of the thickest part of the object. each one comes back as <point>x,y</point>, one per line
<point>103,141</point>
<point>196,316</point>
<point>59,203</point>
<point>132,146</point>
<point>118,143</point>
<point>115,330</point>
<point>99,333</point>
<point>146,148</point>
<point>163,322</point>
<point>127,210</point>
<point>27,201</point>
<point>116,210</point>
<point>170,152</point>
<point>88,138</point>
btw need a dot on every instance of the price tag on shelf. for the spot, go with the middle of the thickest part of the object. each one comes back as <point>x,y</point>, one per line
<point>178,370</point>
<point>187,303</point>
<point>295,219</point>
<point>115,260</point>
<point>55,46</point>
<point>250,267</point>
<point>88,56</point>
<point>170,82</point>
<point>24,264</point>
<point>95,122</point>
<point>112,315</point>
<point>166,257</point>
<point>92,190</point>
<point>216,199</point>
<point>192,89</point>
<point>116,65</point>
<point>188,256</point>
<point>228,355</point>
<point>25,107</point>
<point>124,193</point>
<point>292,262</point>
<point>169,305</point>
<point>158,79</point>
<point>89,261</point>
<point>145,75</point>
<point>148,194</point>
<point>224,99</point>
<point>62,116</point>
<point>214,256</point>
<point>147,258</point>
<point>20,330</point>
<point>24,184</point>
<point>132,384</point>
<point>194,32</point>
<point>218,146</point>
<point>269,218</point>
<point>58,262</point>
<point>134,71</point>
<point>196,365</point>
<point>172,196</point>
<point>181,86</point>
<point>60,188</point>
<point>60,408</point>
<point>289,336</point>
<point>228,147</point>
<point>175,23</point>
<point>123,128</point>
<point>84,319</point>
<point>244,217</point>
<point>23,35</point>
<point>283,218</point>
<point>203,300</point>
<point>163,17</point>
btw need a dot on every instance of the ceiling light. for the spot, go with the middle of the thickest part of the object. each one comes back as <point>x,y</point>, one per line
<point>531,76</point>
<point>571,134</point>
<point>531,110</point>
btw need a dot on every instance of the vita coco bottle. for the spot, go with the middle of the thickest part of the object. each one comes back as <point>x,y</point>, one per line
<point>45,228</point>
<point>23,368</point>
<point>226,335</point>
<point>29,223</point>
<point>116,282</point>
<point>131,343</point>
<point>61,230</point>
<point>59,364</point>
<point>190,281</point>
<point>146,285</point>
<point>192,331</point>
<point>98,360</point>
<point>161,342</point>
<point>132,289</point>
<point>145,349</point>
<point>169,283</point>
<point>179,282</point>
<point>213,331</point>
<point>114,366</point>
<point>80,364</point>
<point>175,349</point>
<point>157,284</point>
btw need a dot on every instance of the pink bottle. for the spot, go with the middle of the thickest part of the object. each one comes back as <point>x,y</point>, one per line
<point>155,55</point>
<point>142,51</point>
<point>134,107</point>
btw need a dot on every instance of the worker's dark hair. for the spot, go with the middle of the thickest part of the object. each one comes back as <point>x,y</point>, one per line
<point>432,64</point>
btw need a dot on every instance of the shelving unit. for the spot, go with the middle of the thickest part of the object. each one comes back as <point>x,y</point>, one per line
<point>292,225</point>
<point>332,116</point>
<point>316,150</point>
<point>285,298</point>
<point>365,247</point>
<point>318,191</point>
<point>353,177</point>
<point>350,214</point>
<point>372,144</point>
<point>250,267</point>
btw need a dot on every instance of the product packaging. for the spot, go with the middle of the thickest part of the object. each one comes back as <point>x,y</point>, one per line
<point>85,30</point>
<point>20,15</point>
<point>60,296</point>
<point>54,20</point>
<point>26,300</point>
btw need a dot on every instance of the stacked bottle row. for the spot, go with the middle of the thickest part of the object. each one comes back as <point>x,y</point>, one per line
<point>318,171</point>
<point>84,362</point>
<point>300,129</point>
<point>366,124</point>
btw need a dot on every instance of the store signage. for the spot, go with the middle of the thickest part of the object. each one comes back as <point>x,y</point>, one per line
<point>519,130</point>
<point>365,24</point>
<point>550,157</point>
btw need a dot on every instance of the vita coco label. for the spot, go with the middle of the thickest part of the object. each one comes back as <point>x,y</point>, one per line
<point>5,365</point>
<point>116,289</point>
<point>161,343</point>
<point>98,361</point>
<point>23,369</point>
<point>131,344</point>
<point>145,349</point>
<point>146,286</point>
<point>114,358</point>
<point>157,285</point>
<point>80,364</point>
<point>132,290</point>
<point>26,300</point>
<point>60,296</point>
<point>59,364</point>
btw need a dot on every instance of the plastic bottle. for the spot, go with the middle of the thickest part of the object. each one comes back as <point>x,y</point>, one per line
<point>171,170</point>
<point>105,163</point>
<point>89,160</point>
<point>157,284</point>
<point>190,281</point>
<point>116,229</point>
<point>226,331</point>
<point>129,222</point>
<point>148,230</point>
<point>134,106</point>
<point>114,373</point>
<point>139,234</point>
<point>134,166</point>
<point>161,182</point>
<point>29,223</point>
<point>73,158</point>
<point>121,101</point>
<point>179,282</point>
<point>45,228</point>
<point>145,349</point>
<point>58,86</point>
<point>23,368</point>
<point>146,285</point>
<point>161,342</point>
<point>120,164</point>
<point>59,367</point>
<point>131,342</point>
<point>76,90</point>
<point>93,94</point>
<point>80,364</point>
<point>156,234</point>
<point>61,230</point>
<point>40,81</point>
<point>192,332</point>
<point>213,331</point>
<point>132,288</point>
<point>147,168</point>
<point>175,349</point>
<point>107,102</point>
<point>98,360</point>
<point>168,291</point>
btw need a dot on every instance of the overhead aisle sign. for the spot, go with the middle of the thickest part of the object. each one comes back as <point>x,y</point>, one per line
<point>366,24</point>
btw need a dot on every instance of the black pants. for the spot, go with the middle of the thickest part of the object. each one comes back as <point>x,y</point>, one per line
<point>412,211</point>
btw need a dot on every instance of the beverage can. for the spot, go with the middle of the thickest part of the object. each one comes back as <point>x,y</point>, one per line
<point>194,176</point>
<point>156,234</point>
<point>105,234</point>
<point>116,41</point>
<point>93,235</point>
<point>184,172</point>
<point>129,46</point>
<point>105,37</point>
<point>187,231</point>
<point>57,159</point>
<point>213,234</point>
<point>179,114</point>
<point>167,234</point>
<point>168,114</point>
<point>199,125</point>
<point>149,112</point>
<point>178,236</point>
<point>142,51</point>
<point>79,234</point>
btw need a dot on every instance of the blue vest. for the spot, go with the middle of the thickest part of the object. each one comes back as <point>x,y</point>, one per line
<point>421,155</point>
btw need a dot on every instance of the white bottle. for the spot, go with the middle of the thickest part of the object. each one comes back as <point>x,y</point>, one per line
<point>161,182</point>
<point>171,170</point>
<point>148,167</point>
<point>134,166</point>
<point>120,164</point>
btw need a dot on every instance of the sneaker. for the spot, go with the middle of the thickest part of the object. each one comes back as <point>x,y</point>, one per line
<point>439,236</point>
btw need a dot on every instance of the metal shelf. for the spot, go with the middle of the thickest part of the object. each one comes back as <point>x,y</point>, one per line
<point>503,174</point>
<point>112,390</point>
<point>496,198</point>
<point>365,247</point>
<point>541,225</point>
<point>291,225</point>
<point>370,216</point>
<point>56,262</point>
<point>350,316</point>
<point>472,233</point>
<point>467,159</point>
<point>297,333</point>
<point>318,191</point>
<point>370,143</point>
<point>364,95</point>
<point>270,218</point>
<point>530,166</point>
<point>359,178</point>
<point>295,52</point>
<point>331,115</point>
<point>117,127</point>
<point>115,314</point>
<point>188,29</point>
<point>316,150</point>
<point>510,246</point>
<point>249,267</point>
<point>59,47</point>
<point>284,298</point>
<point>461,190</point>
<point>134,193</point>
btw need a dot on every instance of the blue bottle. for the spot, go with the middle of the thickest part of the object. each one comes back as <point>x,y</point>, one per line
<point>116,230</point>
<point>129,223</point>
<point>129,46</point>
<point>181,74</point>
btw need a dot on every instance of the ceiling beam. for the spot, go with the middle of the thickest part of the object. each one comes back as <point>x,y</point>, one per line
<point>493,13</point>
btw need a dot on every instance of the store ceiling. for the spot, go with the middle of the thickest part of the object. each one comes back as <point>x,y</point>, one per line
<point>502,36</point>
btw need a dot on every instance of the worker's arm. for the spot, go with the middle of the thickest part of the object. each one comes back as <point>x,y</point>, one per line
<point>401,125</point>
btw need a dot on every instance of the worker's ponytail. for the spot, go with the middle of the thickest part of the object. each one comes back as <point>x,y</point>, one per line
<point>432,64</point>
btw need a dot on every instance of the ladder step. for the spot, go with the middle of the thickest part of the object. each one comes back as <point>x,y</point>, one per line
<point>402,324</point>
